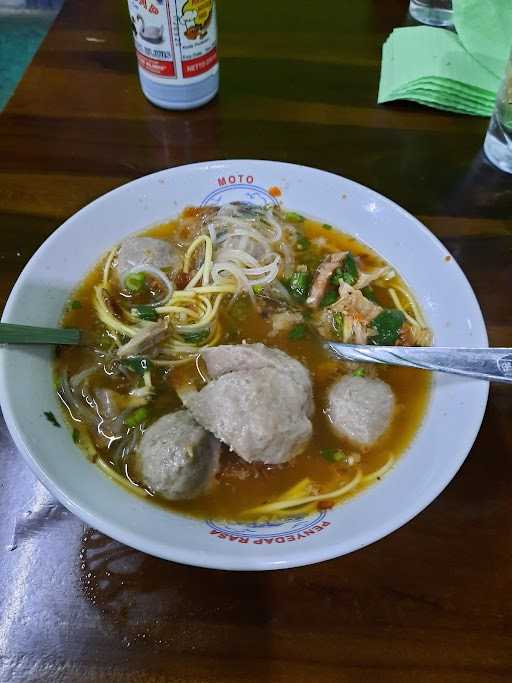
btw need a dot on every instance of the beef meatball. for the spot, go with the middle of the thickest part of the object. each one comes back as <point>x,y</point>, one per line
<point>177,458</point>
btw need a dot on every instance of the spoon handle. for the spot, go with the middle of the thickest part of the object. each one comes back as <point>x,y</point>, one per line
<point>28,334</point>
<point>494,365</point>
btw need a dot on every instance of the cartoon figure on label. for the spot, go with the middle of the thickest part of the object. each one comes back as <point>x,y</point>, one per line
<point>195,16</point>
<point>151,34</point>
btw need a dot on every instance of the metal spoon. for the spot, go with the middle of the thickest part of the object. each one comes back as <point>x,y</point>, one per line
<point>494,365</point>
<point>29,334</point>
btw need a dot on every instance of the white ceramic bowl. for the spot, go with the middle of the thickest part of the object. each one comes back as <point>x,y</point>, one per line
<point>454,415</point>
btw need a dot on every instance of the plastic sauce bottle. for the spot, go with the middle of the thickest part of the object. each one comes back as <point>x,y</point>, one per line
<point>176,46</point>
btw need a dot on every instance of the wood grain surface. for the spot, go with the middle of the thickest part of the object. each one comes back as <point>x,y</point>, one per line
<point>430,603</point>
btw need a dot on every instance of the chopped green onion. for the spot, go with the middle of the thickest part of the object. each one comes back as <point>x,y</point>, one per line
<point>387,325</point>
<point>135,281</point>
<point>51,418</point>
<point>303,243</point>
<point>337,323</point>
<point>138,365</point>
<point>350,272</point>
<point>297,332</point>
<point>293,217</point>
<point>337,276</point>
<point>328,299</point>
<point>369,294</point>
<point>333,455</point>
<point>196,337</point>
<point>347,273</point>
<point>137,417</point>
<point>76,435</point>
<point>76,304</point>
<point>326,226</point>
<point>146,312</point>
<point>360,372</point>
<point>299,284</point>
<point>258,289</point>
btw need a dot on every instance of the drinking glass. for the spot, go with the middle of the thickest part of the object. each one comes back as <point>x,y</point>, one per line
<point>432,12</point>
<point>498,141</point>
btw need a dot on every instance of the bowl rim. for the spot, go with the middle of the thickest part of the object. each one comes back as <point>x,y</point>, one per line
<point>219,560</point>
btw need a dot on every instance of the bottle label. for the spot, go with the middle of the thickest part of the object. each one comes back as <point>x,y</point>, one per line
<point>197,36</point>
<point>174,39</point>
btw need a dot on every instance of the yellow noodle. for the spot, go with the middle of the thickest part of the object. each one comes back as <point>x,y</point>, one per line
<point>172,309</point>
<point>400,307</point>
<point>284,505</point>
<point>215,289</point>
<point>380,472</point>
<point>188,255</point>
<point>205,320</point>
<point>107,318</point>
<point>417,313</point>
<point>196,278</point>
<point>125,482</point>
<point>108,263</point>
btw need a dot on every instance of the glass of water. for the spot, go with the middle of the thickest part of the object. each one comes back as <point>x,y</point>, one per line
<point>498,141</point>
<point>432,12</point>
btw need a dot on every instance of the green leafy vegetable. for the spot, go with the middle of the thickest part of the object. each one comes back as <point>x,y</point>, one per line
<point>369,294</point>
<point>299,284</point>
<point>360,372</point>
<point>337,276</point>
<point>76,435</point>
<point>387,325</point>
<point>337,323</point>
<point>326,226</point>
<point>350,272</point>
<point>333,455</point>
<point>303,243</point>
<point>138,365</point>
<point>297,332</point>
<point>75,304</point>
<point>135,281</point>
<point>293,217</point>
<point>196,337</point>
<point>347,272</point>
<point>51,418</point>
<point>328,298</point>
<point>146,312</point>
<point>137,417</point>
<point>258,289</point>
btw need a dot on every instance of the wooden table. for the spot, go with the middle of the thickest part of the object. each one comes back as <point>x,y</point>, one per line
<point>429,603</point>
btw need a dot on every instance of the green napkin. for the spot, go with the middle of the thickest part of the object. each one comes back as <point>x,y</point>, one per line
<point>439,68</point>
<point>485,30</point>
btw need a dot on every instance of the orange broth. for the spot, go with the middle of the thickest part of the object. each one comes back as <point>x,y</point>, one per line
<point>240,486</point>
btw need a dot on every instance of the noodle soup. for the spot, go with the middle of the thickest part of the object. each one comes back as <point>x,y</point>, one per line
<point>206,386</point>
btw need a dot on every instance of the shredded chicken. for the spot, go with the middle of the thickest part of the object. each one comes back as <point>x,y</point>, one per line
<point>359,331</point>
<point>322,319</point>
<point>322,275</point>
<point>284,321</point>
<point>144,340</point>
<point>365,279</point>
<point>352,303</point>
<point>411,335</point>
<point>357,312</point>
